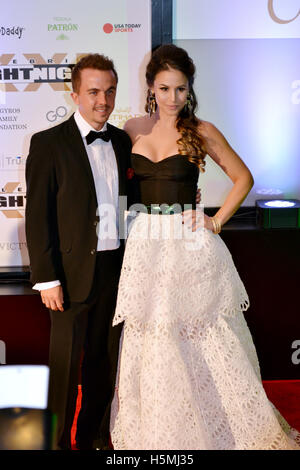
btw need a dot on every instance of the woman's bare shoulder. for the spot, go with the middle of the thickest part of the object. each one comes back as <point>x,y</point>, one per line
<point>133,125</point>
<point>207,129</point>
<point>211,136</point>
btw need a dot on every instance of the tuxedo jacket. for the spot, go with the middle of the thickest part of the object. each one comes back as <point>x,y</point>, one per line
<point>61,206</point>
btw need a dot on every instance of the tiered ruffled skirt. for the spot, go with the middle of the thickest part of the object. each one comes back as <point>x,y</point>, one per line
<point>188,375</point>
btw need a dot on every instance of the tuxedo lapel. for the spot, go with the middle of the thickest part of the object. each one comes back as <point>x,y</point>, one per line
<point>78,148</point>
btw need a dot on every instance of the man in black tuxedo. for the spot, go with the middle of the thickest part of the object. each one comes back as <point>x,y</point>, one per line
<point>72,169</point>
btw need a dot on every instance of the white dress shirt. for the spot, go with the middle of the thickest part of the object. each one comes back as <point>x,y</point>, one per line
<point>105,172</point>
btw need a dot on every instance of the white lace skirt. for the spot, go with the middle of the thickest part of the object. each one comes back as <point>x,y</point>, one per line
<point>188,374</point>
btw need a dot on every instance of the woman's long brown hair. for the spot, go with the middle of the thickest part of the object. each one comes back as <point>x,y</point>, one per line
<point>190,143</point>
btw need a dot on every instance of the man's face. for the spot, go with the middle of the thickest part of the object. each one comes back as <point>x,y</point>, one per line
<point>96,96</point>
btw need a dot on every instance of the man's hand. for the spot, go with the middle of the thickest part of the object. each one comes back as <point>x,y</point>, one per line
<point>53,298</point>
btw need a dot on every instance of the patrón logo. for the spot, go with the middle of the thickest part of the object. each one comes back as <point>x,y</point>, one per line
<point>62,25</point>
<point>275,17</point>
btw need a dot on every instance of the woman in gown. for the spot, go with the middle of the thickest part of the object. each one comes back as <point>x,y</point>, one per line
<point>188,375</point>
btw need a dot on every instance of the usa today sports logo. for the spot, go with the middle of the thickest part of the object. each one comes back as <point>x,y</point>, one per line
<point>121,27</point>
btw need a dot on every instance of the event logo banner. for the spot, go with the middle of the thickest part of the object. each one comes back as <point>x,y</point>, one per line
<point>37,55</point>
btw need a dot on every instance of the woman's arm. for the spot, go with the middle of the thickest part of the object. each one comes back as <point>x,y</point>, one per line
<point>217,147</point>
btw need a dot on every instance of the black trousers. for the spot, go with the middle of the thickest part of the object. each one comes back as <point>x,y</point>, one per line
<point>86,328</point>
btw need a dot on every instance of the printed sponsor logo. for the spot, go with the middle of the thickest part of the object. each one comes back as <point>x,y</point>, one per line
<point>120,28</point>
<point>121,115</point>
<point>13,246</point>
<point>12,200</point>
<point>59,113</point>
<point>62,25</point>
<point>9,119</point>
<point>12,31</point>
<point>108,28</point>
<point>275,16</point>
<point>12,162</point>
<point>35,71</point>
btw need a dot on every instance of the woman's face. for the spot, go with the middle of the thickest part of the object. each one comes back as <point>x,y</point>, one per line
<point>171,89</point>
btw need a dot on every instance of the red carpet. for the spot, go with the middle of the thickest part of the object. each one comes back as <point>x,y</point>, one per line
<point>284,394</point>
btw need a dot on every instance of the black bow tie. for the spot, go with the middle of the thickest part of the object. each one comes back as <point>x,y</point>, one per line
<point>93,135</point>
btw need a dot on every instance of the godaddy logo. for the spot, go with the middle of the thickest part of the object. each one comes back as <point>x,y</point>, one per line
<point>12,31</point>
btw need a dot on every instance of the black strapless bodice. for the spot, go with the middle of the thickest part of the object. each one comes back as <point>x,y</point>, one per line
<point>169,181</point>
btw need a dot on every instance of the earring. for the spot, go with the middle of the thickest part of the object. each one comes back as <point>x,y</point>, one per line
<point>189,103</point>
<point>151,103</point>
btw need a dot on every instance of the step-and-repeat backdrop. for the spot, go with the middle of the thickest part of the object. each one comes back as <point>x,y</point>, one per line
<point>39,44</point>
<point>248,84</point>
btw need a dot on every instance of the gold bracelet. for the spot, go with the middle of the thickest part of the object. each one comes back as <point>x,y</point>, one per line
<point>214,225</point>
<point>217,225</point>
